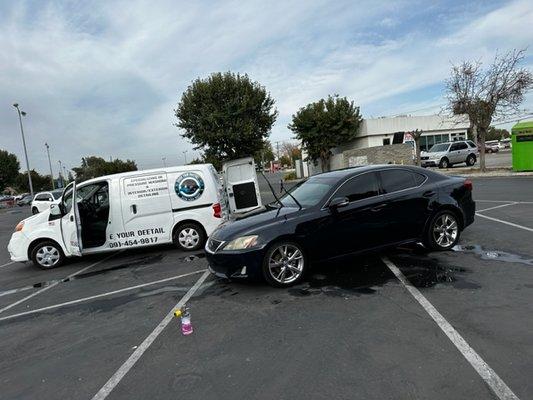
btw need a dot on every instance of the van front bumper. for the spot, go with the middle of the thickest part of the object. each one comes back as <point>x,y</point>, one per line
<point>18,247</point>
<point>235,264</point>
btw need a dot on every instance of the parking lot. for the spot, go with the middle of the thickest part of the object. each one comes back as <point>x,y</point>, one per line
<point>398,325</point>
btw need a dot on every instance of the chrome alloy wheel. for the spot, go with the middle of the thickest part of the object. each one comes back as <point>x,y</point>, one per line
<point>286,263</point>
<point>445,230</point>
<point>189,238</point>
<point>48,256</point>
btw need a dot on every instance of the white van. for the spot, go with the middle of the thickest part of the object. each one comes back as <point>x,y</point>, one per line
<point>180,205</point>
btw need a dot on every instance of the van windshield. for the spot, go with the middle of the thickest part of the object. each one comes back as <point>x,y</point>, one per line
<point>308,193</point>
<point>439,147</point>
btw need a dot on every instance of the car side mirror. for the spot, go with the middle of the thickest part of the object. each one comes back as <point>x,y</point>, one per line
<point>55,209</point>
<point>338,202</point>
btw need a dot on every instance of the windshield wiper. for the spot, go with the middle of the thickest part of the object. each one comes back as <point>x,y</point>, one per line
<point>272,190</point>
<point>289,193</point>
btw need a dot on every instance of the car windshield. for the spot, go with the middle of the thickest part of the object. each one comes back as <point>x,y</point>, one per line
<point>309,192</point>
<point>439,147</point>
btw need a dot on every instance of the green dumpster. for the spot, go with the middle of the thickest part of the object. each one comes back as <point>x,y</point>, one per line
<point>522,146</point>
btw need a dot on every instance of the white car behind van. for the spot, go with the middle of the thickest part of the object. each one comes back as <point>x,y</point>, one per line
<point>180,205</point>
<point>43,200</point>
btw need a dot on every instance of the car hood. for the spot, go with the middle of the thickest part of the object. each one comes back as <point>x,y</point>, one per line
<point>437,154</point>
<point>249,224</point>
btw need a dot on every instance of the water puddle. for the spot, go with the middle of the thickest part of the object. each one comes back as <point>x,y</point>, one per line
<point>493,255</point>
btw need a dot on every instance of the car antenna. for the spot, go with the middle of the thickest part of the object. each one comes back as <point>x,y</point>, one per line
<point>272,189</point>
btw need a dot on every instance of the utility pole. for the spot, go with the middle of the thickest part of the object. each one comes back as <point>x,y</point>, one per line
<point>21,114</point>
<point>50,164</point>
<point>60,174</point>
<point>164,161</point>
<point>65,172</point>
<point>185,154</point>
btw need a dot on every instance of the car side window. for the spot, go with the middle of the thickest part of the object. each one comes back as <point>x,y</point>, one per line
<point>398,179</point>
<point>360,187</point>
<point>471,144</point>
<point>459,146</point>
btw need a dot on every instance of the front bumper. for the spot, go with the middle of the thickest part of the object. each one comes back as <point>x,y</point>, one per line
<point>18,247</point>
<point>236,264</point>
<point>429,163</point>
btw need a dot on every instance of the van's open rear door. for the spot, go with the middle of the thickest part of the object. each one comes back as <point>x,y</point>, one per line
<point>241,185</point>
<point>70,222</point>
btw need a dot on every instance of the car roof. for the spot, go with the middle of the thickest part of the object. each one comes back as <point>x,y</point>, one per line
<point>352,171</point>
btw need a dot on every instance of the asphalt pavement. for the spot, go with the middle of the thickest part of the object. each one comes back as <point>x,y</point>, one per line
<point>353,329</point>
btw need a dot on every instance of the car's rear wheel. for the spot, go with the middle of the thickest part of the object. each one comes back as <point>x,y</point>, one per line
<point>470,160</point>
<point>189,237</point>
<point>443,231</point>
<point>35,210</point>
<point>284,264</point>
<point>444,163</point>
<point>47,255</point>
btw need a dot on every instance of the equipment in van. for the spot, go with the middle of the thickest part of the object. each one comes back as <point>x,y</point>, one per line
<point>180,205</point>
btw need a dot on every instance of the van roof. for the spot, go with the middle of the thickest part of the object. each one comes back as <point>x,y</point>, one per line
<point>190,167</point>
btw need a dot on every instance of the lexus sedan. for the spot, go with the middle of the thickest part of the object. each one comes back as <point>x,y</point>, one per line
<point>340,213</point>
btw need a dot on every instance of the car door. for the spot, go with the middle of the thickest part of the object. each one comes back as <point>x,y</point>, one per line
<point>407,203</point>
<point>360,224</point>
<point>457,152</point>
<point>242,188</point>
<point>70,221</point>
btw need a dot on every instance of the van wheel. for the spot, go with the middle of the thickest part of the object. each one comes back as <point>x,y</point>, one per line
<point>471,160</point>
<point>443,231</point>
<point>47,255</point>
<point>444,163</point>
<point>189,237</point>
<point>34,210</point>
<point>284,264</point>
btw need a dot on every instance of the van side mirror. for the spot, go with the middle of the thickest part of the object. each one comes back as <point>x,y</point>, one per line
<point>55,209</point>
<point>338,202</point>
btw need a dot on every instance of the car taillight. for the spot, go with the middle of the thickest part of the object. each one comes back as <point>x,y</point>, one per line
<point>468,184</point>
<point>217,210</point>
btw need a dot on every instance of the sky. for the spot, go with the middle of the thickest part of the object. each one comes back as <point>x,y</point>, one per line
<point>103,77</point>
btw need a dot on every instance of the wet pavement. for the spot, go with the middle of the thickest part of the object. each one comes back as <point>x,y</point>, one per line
<point>350,330</point>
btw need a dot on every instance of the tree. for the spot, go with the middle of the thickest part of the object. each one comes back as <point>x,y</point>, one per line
<point>226,115</point>
<point>497,134</point>
<point>292,151</point>
<point>93,167</point>
<point>40,182</point>
<point>265,154</point>
<point>486,94</point>
<point>416,135</point>
<point>9,169</point>
<point>326,124</point>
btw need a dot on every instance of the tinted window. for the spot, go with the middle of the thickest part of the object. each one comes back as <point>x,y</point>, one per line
<point>458,146</point>
<point>57,194</point>
<point>398,179</point>
<point>471,144</point>
<point>42,197</point>
<point>309,192</point>
<point>360,187</point>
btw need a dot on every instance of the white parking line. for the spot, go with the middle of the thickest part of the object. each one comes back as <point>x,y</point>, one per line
<point>505,201</point>
<point>505,222</point>
<point>496,384</point>
<point>44,289</point>
<point>68,303</point>
<point>495,207</point>
<point>7,264</point>
<point>137,354</point>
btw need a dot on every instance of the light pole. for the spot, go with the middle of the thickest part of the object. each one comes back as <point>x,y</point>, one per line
<point>65,173</point>
<point>50,164</point>
<point>164,161</point>
<point>185,155</point>
<point>60,175</point>
<point>21,114</point>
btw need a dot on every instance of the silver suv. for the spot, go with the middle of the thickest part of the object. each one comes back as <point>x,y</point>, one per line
<point>444,155</point>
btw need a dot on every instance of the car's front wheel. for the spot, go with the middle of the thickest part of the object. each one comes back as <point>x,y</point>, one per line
<point>443,231</point>
<point>444,163</point>
<point>284,264</point>
<point>47,255</point>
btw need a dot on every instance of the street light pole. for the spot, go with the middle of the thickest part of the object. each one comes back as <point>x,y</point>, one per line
<point>164,161</point>
<point>21,114</point>
<point>185,154</point>
<point>50,164</point>
<point>60,175</point>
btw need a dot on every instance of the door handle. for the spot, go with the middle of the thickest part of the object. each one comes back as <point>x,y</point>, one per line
<point>72,218</point>
<point>134,208</point>
<point>378,208</point>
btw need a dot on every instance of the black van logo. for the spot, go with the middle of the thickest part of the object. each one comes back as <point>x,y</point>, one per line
<point>189,186</point>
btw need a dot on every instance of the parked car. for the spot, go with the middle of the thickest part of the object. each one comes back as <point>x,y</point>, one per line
<point>445,155</point>
<point>20,196</point>
<point>43,200</point>
<point>25,201</point>
<point>338,213</point>
<point>491,146</point>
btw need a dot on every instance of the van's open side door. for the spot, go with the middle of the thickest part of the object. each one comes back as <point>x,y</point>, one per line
<point>70,222</point>
<point>242,188</point>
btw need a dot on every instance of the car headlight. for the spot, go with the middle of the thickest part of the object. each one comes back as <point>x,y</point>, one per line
<point>19,226</point>
<point>243,242</point>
